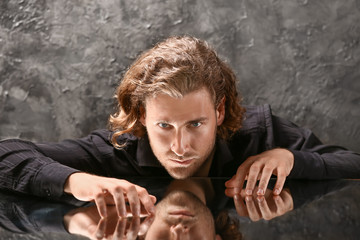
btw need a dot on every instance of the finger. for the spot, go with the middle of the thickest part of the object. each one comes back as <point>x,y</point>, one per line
<point>134,201</point>
<point>147,200</point>
<point>231,182</point>
<point>252,210</point>
<point>285,194</point>
<point>133,229</point>
<point>264,181</point>
<point>119,232</point>
<point>264,208</point>
<point>237,181</point>
<point>230,192</point>
<point>240,206</point>
<point>280,181</point>
<point>239,178</point>
<point>252,178</point>
<point>288,201</point>
<point>279,204</point>
<point>101,204</point>
<point>153,198</point>
<point>119,199</point>
<point>100,231</point>
<point>145,225</point>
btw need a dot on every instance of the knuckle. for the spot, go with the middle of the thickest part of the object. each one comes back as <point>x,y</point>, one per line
<point>117,188</point>
<point>255,168</point>
<point>98,195</point>
<point>268,168</point>
<point>122,182</point>
<point>263,184</point>
<point>252,158</point>
<point>130,188</point>
<point>242,168</point>
<point>142,192</point>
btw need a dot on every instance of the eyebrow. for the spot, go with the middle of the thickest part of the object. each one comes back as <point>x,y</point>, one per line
<point>201,119</point>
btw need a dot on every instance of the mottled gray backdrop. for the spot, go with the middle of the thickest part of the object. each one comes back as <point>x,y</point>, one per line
<point>61,60</point>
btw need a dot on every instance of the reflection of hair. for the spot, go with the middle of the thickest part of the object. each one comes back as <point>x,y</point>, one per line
<point>175,67</point>
<point>227,227</point>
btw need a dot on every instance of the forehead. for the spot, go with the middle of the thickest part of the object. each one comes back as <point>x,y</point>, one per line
<point>191,105</point>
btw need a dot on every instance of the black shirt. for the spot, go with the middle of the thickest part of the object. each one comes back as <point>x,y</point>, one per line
<point>42,169</point>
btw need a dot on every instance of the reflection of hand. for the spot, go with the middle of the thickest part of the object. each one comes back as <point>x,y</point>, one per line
<point>104,191</point>
<point>87,222</point>
<point>260,167</point>
<point>266,206</point>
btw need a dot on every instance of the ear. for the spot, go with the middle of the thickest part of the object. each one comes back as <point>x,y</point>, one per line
<point>220,111</point>
<point>142,116</point>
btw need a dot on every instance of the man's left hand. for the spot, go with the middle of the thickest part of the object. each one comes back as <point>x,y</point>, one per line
<point>277,161</point>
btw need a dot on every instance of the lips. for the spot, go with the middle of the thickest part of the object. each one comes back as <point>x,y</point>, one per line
<point>181,213</point>
<point>182,162</point>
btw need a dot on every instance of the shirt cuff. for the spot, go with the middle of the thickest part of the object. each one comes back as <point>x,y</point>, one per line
<point>50,180</point>
<point>307,165</point>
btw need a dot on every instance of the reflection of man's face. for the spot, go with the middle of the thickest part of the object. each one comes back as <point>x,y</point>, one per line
<point>182,131</point>
<point>181,215</point>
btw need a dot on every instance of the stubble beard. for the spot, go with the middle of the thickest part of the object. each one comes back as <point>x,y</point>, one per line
<point>186,171</point>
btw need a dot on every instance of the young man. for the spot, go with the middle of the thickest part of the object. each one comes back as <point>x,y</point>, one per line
<point>179,115</point>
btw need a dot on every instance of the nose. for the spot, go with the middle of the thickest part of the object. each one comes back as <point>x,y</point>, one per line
<point>180,143</point>
<point>179,231</point>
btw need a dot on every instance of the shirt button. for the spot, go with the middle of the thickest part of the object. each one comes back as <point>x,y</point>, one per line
<point>48,192</point>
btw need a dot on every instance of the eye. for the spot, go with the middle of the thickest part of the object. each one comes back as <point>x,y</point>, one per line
<point>196,124</point>
<point>163,125</point>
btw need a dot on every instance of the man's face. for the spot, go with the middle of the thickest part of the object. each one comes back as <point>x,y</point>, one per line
<point>181,215</point>
<point>182,132</point>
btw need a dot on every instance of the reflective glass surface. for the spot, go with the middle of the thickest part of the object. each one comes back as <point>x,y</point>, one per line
<point>196,208</point>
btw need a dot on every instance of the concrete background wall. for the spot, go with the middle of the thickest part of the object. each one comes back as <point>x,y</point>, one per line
<point>61,60</point>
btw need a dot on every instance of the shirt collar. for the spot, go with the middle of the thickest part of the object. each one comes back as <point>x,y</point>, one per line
<point>221,158</point>
<point>144,154</point>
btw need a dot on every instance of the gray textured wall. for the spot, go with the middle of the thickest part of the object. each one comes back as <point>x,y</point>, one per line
<point>61,60</point>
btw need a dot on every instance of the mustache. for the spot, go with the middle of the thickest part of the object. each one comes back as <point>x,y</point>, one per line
<point>186,156</point>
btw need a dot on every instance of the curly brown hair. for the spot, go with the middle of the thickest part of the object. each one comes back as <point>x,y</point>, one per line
<point>176,67</point>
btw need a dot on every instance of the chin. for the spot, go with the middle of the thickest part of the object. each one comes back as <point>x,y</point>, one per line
<point>179,174</point>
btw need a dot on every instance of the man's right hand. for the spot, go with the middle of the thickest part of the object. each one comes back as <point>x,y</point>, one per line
<point>104,191</point>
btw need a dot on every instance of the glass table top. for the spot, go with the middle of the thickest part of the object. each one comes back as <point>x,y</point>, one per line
<point>201,206</point>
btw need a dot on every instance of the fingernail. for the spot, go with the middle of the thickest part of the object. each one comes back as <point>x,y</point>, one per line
<point>260,199</point>
<point>99,235</point>
<point>248,198</point>
<point>260,192</point>
<point>236,197</point>
<point>248,191</point>
<point>277,191</point>
<point>236,190</point>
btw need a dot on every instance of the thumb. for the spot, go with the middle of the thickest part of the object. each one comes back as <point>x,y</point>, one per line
<point>153,199</point>
<point>231,182</point>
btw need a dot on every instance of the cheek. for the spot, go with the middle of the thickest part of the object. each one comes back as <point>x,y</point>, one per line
<point>209,133</point>
<point>160,140</point>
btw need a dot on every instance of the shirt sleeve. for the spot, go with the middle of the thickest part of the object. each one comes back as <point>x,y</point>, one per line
<point>312,158</point>
<point>42,169</point>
